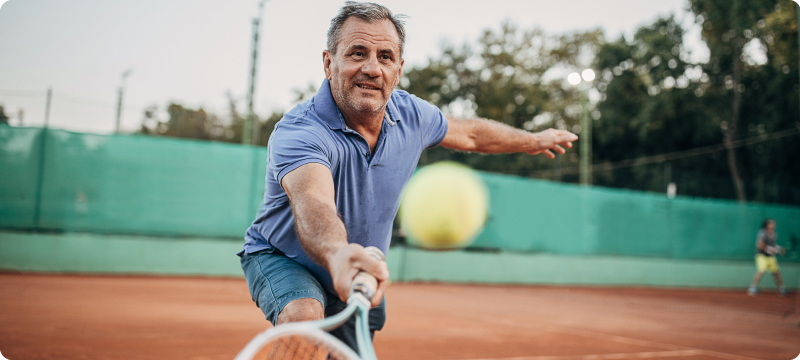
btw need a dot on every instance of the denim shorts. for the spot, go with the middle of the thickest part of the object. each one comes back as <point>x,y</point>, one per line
<point>275,280</point>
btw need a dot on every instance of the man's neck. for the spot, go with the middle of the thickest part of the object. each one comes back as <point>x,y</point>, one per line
<point>368,125</point>
<point>365,121</point>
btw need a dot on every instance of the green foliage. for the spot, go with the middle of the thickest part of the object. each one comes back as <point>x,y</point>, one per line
<point>652,103</point>
<point>505,77</point>
<point>3,117</point>
<point>183,122</point>
<point>769,92</point>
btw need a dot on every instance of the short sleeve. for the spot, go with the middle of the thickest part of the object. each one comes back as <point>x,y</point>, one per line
<point>433,124</point>
<point>294,144</point>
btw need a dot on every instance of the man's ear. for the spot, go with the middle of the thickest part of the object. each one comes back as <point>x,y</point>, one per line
<point>399,73</point>
<point>327,59</point>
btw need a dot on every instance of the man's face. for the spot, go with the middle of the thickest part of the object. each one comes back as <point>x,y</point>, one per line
<point>771,226</point>
<point>366,68</point>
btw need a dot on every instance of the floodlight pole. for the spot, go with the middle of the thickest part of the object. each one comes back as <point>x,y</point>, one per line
<point>586,140</point>
<point>250,131</point>
<point>587,76</point>
<point>47,106</point>
<point>125,74</point>
<point>37,205</point>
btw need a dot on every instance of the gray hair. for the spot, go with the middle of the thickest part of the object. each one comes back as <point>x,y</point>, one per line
<point>369,12</point>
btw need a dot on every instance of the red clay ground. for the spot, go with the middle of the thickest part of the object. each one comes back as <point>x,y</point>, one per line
<point>105,317</point>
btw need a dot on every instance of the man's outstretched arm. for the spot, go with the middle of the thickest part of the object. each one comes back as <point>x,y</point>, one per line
<point>492,137</point>
<point>322,233</point>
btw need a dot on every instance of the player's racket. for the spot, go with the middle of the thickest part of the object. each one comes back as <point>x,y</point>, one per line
<point>309,339</point>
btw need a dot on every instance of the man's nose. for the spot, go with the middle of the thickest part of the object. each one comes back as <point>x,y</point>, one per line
<point>371,67</point>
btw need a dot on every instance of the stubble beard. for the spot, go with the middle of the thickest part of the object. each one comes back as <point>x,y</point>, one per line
<point>348,103</point>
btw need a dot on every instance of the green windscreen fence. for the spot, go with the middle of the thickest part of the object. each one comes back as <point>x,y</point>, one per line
<point>62,181</point>
<point>529,215</point>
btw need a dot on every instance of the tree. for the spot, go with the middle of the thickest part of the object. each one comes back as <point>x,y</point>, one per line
<point>727,28</point>
<point>185,123</point>
<point>754,98</point>
<point>653,103</point>
<point>505,77</point>
<point>198,124</point>
<point>3,117</point>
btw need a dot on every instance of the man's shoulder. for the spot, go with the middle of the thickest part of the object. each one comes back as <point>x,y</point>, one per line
<point>294,131</point>
<point>411,106</point>
<point>302,117</point>
<point>402,97</point>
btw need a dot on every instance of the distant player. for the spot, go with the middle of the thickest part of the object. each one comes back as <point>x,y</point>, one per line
<point>766,249</point>
<point>337,166</point>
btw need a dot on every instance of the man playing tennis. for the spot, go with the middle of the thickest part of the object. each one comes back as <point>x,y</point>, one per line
<point>337,166</point>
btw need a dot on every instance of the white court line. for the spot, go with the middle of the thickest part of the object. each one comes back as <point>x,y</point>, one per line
<point>627,340</point>
<point>605,337</point>
<point>639,355</point>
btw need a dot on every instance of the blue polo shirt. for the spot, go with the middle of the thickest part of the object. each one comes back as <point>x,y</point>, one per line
<point>368,185</point>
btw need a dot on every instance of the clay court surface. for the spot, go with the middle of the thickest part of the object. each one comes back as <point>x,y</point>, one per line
<point>125,317</point>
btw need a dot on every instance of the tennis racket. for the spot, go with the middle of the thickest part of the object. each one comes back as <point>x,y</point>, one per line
<point>309,339</point>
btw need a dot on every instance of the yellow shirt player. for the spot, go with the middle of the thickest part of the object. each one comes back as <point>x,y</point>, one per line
<point>766,249</point>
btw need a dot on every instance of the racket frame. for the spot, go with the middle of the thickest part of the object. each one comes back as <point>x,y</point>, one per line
<point>357,305</point>
<point>306,329</point>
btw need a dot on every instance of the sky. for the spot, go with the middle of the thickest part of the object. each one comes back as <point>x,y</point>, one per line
<point>195,52</point>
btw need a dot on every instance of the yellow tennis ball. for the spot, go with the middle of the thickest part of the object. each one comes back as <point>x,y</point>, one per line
<point>444,206</point>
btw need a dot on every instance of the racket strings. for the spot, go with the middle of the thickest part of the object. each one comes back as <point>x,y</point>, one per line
<point>297,347</point>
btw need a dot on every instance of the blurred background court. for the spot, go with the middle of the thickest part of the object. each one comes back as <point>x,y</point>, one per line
<point>128,317</point>
<point>120,215</point>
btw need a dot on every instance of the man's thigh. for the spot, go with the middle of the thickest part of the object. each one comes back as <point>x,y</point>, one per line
<point>766,263</point>
<point>761,263</point>
<point>275,280</point>
<point>772,264</point>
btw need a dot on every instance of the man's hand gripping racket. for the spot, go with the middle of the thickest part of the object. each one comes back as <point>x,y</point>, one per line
<point>309,339</point>
<point>775,250</point>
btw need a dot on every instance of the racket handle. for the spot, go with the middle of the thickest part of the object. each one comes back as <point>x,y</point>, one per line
<point>364,283</point>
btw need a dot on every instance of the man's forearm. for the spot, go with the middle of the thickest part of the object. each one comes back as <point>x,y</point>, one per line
<point>319,229</point>
<point>322,233</point>
<point>489,136</point>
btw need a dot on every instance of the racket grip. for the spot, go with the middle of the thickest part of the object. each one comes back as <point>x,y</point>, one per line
<point>364,283</point>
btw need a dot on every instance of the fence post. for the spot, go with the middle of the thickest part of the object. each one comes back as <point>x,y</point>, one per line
<point>37,207</point>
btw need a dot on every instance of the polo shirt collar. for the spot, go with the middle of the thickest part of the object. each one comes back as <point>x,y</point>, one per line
<point>326,108</point>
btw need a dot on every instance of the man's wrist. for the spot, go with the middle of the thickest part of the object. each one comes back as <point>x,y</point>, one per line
<point>331,253</point>
<point>536,139</point>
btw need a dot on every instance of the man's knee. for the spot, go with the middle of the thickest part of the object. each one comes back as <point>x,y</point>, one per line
<point>304,309</point>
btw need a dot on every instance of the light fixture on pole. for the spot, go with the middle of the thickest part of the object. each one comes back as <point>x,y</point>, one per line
<point>125,74</point>
<point>574,78</point>
<point>586,124</point>
<point>588,75</point>
<point>250,131</point>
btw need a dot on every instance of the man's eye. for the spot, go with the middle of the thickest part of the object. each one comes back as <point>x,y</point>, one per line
<point>358,53</point>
